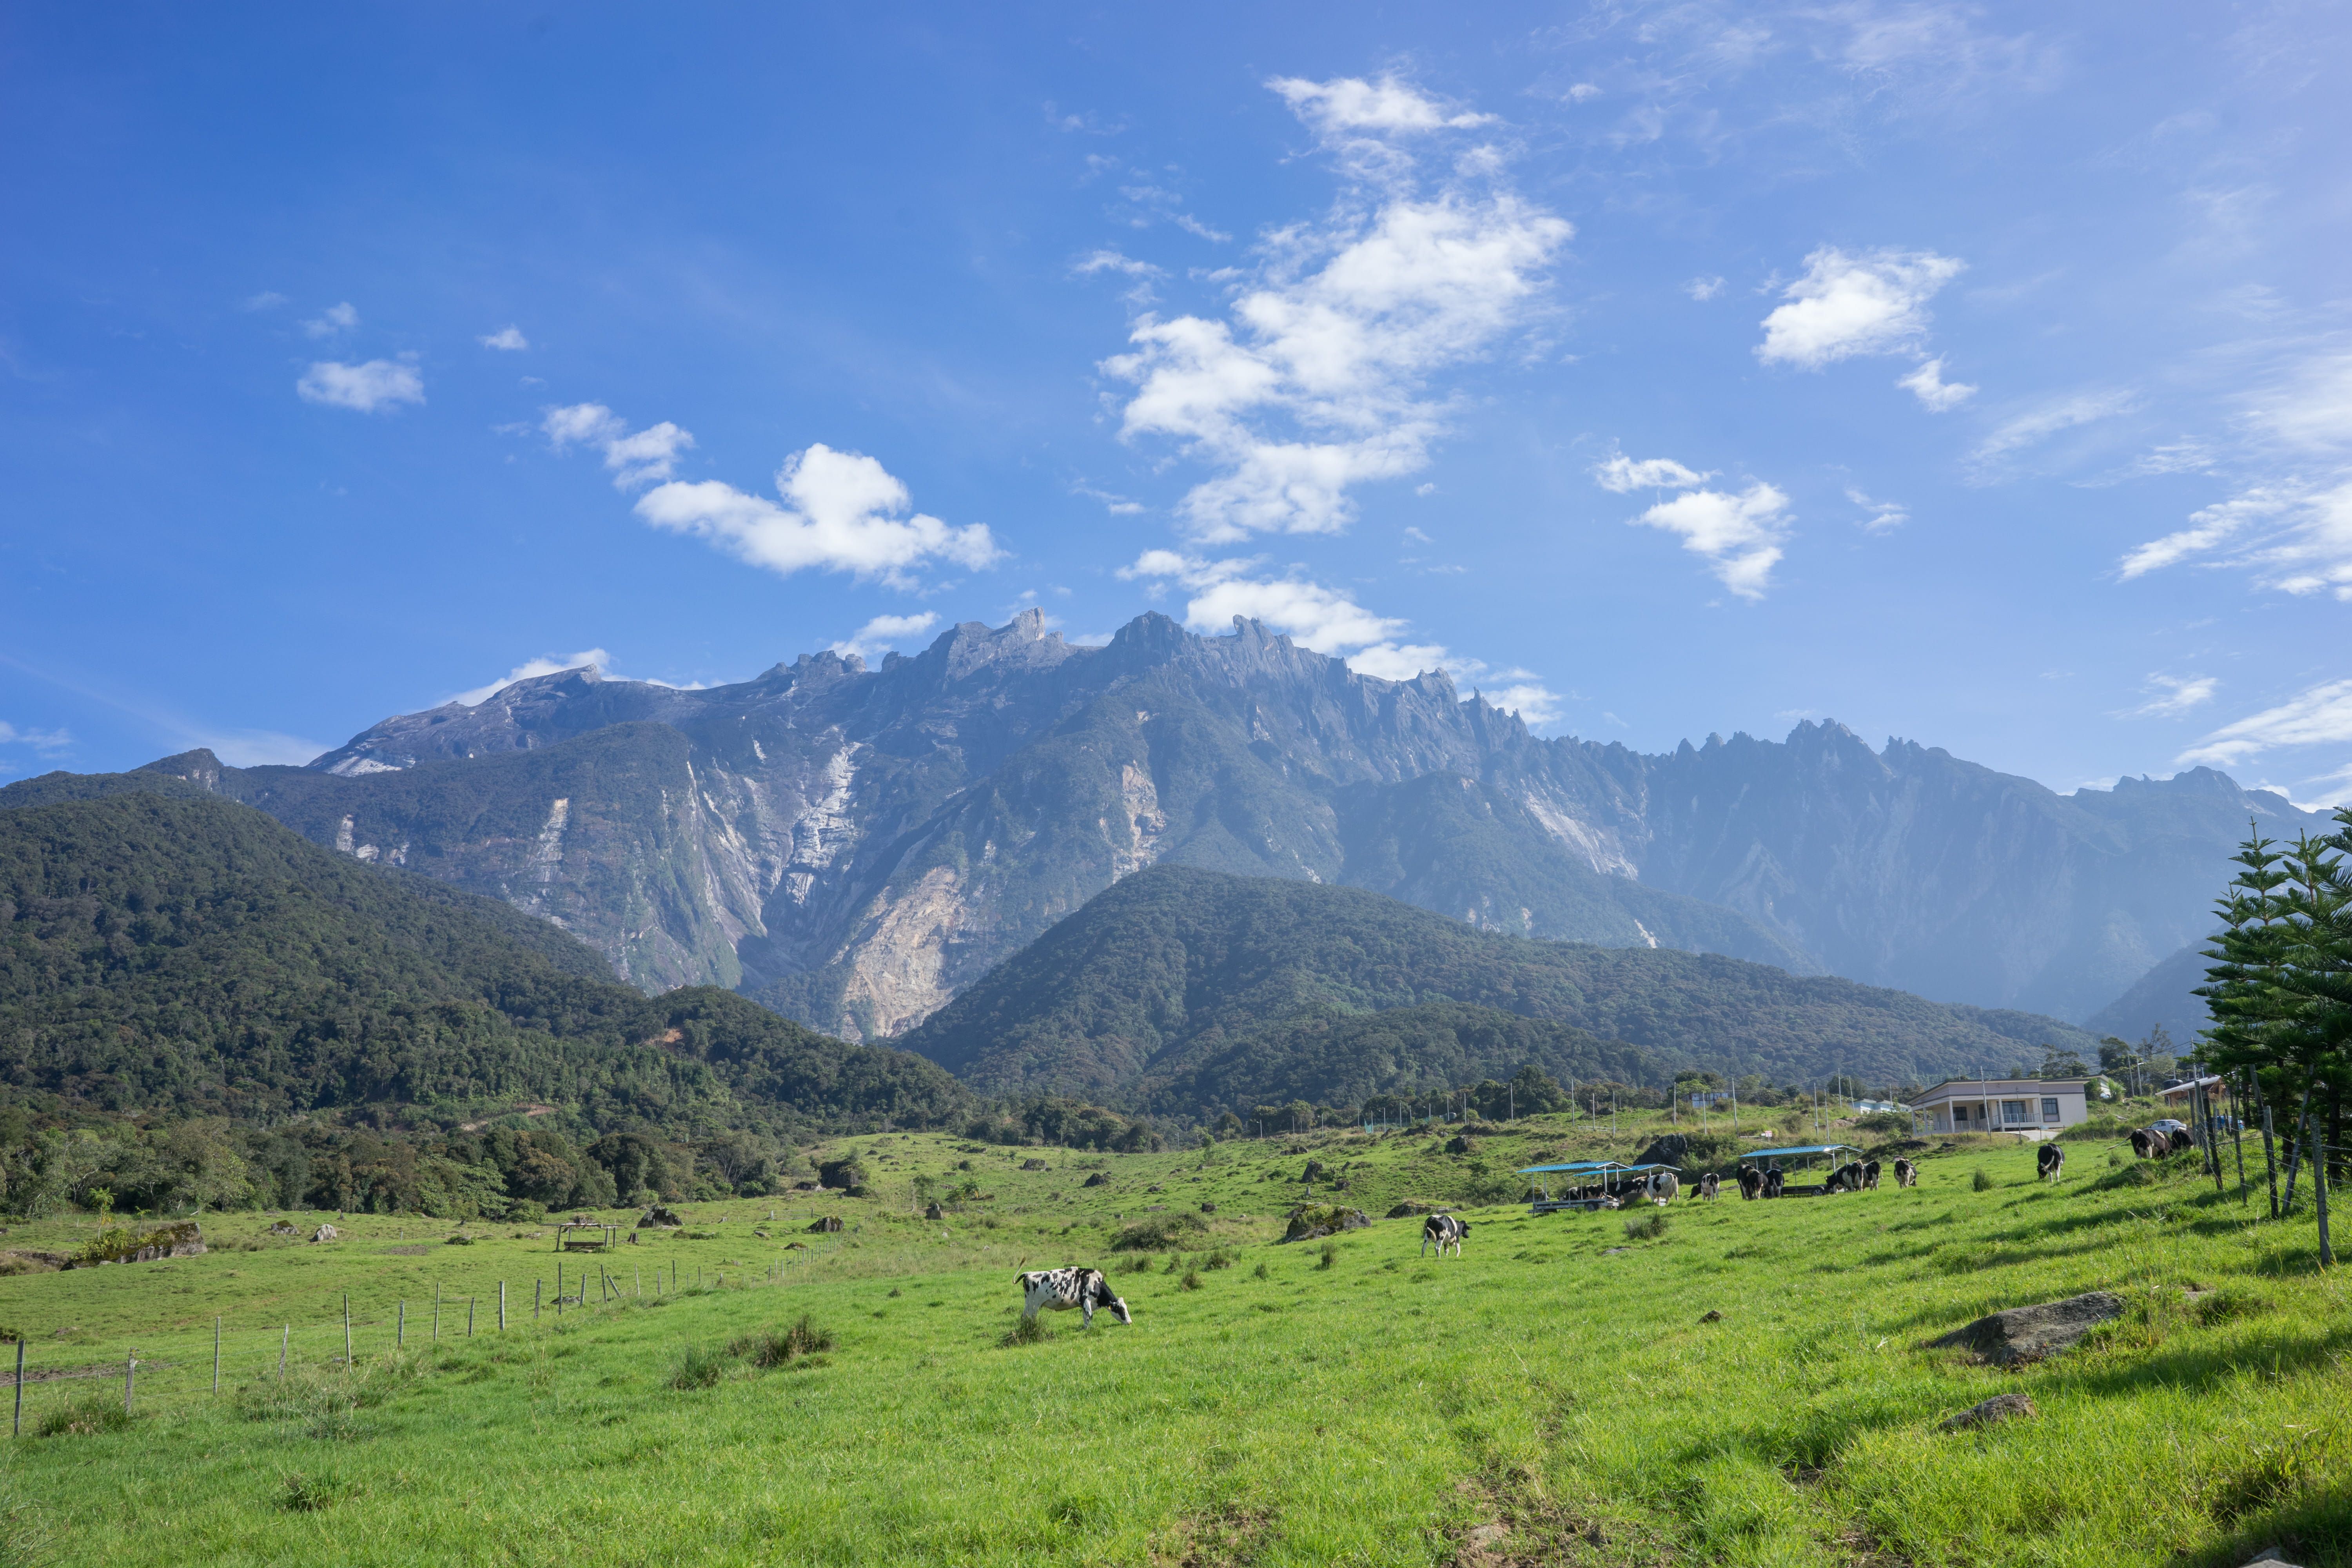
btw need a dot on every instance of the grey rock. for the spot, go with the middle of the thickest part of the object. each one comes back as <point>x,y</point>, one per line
<point>2029,1333</point>
<point>325,1233</point>
<point>1999,1407</point>
<point>659,1217</point>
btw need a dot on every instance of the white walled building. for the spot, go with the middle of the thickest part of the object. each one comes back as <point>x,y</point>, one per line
<point>2032,1106</point>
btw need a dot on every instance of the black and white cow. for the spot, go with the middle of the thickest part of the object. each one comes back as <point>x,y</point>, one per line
<point>2050,1162</point>
<point>2147,1143</point>
<point>1063,1288</point>
<point>1706,1186</point>
<point>1906,1174</point>
<point>2182,1141</point>
<point>1662,1187</point>
<point>1846,1178</point>
<point>1870,1177</point>
<point>1444,1230</point>
<point>1751,1182</point>
<point>1775,1180</point>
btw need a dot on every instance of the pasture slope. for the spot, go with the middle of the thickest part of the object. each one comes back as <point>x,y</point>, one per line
<point>1553,1396</point>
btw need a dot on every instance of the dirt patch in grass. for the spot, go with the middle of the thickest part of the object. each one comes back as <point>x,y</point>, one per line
<point>1226,1537</point>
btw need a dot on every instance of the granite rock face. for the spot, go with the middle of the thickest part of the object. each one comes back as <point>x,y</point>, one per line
<point>854,846</point>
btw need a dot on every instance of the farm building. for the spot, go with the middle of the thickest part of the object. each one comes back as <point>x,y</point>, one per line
<point>2028,1105</point>
<point>2180,1094</point>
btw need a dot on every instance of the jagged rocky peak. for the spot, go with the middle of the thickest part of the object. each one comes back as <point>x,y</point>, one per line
<point>198,767</point>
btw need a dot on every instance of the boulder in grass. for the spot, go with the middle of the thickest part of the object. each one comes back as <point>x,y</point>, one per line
<point>1208,1209</point>
<point>2029,1333</point>
<point>660,1219</point>
<point>1097,1179</point>
<point>1412,1207</point>
<point>1312,1222</point>
<point>826,1226</point>
<point>1998,1408</point>
<point>283,1227</point>
<point>1035,1166</point>
<point>325,1233</point>
<point>933,1211</point>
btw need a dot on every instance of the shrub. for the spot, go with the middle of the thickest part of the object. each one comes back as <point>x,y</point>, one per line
<point>697,1367</point>
<point>1981,1181</point>
<point>1331,1256</point>
<point>1261,1272</point>
<point>85,1418</point>
<point>1026,1331</point>
<point>1648,1226</point>
<point>1191,1280</point>
<point>1138,1264</point>
<point>1161,1233</point>
<point>778,1347</point>
<point>312,1494</point>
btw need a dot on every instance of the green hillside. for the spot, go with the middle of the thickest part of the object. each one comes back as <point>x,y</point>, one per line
<point>192,957</point>
<point>1167,988</point>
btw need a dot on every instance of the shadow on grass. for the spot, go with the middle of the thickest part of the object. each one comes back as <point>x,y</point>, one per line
<point>2191,1362</point>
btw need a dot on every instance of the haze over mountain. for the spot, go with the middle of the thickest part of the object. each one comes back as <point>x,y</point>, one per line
<point>854,846</point>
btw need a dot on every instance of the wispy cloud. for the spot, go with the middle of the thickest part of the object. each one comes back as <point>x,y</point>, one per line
<point>1620,474</point>
<point>595,658</point>
<point>377,386</point>
<point>2036,424</point>
<point>1884,516</point>
<point>1934,393</point>
<point>2318,716</point>
<point>46,742</point>
<point>885,632</point>
<point>334,319</point>
<point>1317,382</point>
<point>508,338</point>
<point>1704,288</point>
<point>1329,621</point>
<point>2176,695</point>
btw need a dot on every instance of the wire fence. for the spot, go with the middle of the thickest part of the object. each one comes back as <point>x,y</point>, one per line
<point>74,1376</point>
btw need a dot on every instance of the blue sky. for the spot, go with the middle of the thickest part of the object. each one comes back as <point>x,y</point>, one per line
<point>1980,375</point>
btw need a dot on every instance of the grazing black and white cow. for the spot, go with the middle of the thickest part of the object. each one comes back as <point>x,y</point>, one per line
<point>2050,1162</point>
<point>1846,1178</point>
<point>1444,1230</point>
<point>1662,1187</point>
<point>1906,1174</point>
<point>1706,1186</point>
<point>1751,1182</point>
<point>2147,1143</point>
<point>1063,1288</point>
<point>1774,1180</point>
<point>1870,1175</point>
<point>2182,1141</point>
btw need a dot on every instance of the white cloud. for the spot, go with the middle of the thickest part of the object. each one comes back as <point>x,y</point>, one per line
<point>1349,103</point>
<point>1327,621</point>
<point>2037,425</point>
<point>885,632</point>
<point>1934,393</point>
<point>267,299</point>
<point>510,338</point>
<point>644,457</point>
<point>1581,92</point>
<point>842,515</point>
<point>2320,715</point>
<point>595,658</point>
<point>379,384</point>
<point>1620,473</point>
<point>1740,535</point>
<point>333,320</point>
<point>1107,260</point>
<point>1317,382</point>
<point>47,743</point>
<point>1704,288</point>
<point>2176,695</point>
<point>1871,303</point>
<point>1885,516</point>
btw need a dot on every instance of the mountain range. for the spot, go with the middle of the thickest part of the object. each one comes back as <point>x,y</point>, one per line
<point>854,846</point>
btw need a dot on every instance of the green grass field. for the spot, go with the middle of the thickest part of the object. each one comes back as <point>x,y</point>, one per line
<point>1553,1397</point>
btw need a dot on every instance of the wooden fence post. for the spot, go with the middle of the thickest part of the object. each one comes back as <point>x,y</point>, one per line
<point>283,1340</point>
<point>130,1371</point>
<point>400,1325</point>
<point>347,1330</point>
<point>18,1430</point>
<point>216,1354</point>
<point>436,1312</point>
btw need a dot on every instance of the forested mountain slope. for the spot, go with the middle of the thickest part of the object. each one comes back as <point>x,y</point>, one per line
<point>194,957</point>
<point>1167,990</point>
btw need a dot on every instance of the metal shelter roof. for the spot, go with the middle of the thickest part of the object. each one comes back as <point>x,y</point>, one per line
<point>1810,1148</point>
<point>1573,1165</point>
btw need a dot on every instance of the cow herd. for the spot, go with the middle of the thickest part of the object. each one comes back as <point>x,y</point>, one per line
<point>1085,1289</point>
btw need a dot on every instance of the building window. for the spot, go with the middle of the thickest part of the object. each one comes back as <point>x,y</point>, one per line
<point>2012,1111</point>
<point>2049,1109</point>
